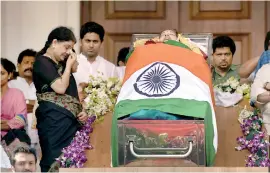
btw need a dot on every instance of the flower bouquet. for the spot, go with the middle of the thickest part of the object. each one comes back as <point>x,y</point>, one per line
<point>231,92</point>
<point>101,95</point>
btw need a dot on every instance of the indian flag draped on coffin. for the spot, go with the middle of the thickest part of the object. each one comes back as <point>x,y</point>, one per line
<point>170,78</point>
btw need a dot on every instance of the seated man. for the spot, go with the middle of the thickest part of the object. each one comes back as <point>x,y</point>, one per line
<point>223,51</point>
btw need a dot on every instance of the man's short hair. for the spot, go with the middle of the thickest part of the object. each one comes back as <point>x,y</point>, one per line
<point>23,149</point>
<point>27,52</point>
<point>94,27</point>
<point>223,41</point>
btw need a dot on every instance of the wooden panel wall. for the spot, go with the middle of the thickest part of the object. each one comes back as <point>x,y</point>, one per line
<point>245,21</point>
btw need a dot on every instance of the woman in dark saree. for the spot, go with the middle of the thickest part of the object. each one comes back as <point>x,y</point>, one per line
<point>60,113</point>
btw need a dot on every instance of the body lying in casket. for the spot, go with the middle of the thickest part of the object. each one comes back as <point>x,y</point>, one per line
<point>164,114</point>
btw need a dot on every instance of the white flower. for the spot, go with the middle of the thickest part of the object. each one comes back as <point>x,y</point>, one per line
<point>101,95</point>
<point>227,83</point>
<point>245,113</point>
<point>87,99</point>
<point>109,84</point>
<point>228,89</point>
<point>234,84</point>
<point>239,90</point>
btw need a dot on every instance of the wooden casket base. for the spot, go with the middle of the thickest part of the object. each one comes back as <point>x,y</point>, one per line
<point>164,163</point>
<point>100,139</point>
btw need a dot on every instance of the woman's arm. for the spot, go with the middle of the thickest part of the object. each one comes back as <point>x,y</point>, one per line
<point>248,67</point>
<point>4,125</point>
<point>81,93</point>
<point>264,97</point>
<point>60,84</point>
<point>46,70</point>
<point>258,90</point>
<point>20,112</point>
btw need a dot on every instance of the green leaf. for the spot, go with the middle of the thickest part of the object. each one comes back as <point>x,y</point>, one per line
<point>260,153</point>
<point>68,163</point>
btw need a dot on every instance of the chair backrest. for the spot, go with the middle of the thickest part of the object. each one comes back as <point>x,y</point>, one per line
<point>202,39</point>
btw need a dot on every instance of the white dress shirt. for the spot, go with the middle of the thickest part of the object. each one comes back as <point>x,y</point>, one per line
<point>85,69</point>
<point>20,83</point>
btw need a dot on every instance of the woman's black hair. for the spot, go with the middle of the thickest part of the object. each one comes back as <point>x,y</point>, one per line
<point>8,65</point>
<point>122,54</point>
<point>61,34</point>
<point>267,41</point>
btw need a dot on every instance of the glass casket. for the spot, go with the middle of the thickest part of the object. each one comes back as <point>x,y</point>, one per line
<point>158,143</point>
<point>161,143</point>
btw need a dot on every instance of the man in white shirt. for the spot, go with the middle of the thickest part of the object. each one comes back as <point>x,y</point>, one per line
<point>90,63</point>
<point>24,82</point>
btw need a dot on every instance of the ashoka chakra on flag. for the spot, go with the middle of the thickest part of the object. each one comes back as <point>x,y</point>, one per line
<point>157,80</point>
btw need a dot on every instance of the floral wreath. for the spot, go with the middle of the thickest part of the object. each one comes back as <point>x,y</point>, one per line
<point>181,38</point>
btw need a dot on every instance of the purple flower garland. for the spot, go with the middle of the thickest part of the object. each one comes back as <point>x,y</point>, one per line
<point>254,141</point>
<point>74,155</point>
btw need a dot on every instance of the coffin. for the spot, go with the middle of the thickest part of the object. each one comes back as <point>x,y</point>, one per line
<point>166,93</point>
